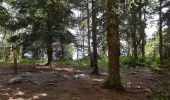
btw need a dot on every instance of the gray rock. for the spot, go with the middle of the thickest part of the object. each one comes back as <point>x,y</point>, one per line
<point>26,74</point>
<point>15,80</point>
<point>55,73</point>
<point>80,76</point>
<point>134,73</point>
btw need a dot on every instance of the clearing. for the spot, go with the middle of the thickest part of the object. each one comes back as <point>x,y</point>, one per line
<point>35,82</point>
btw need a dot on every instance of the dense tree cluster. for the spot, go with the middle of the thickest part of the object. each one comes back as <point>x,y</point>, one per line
<point>52,29</point>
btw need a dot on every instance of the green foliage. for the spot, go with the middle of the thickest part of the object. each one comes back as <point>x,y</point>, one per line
<point>141,59</point>
<point>64,62</point>
<point>7,62</point>
<point>124,59</point>
<point>84,62</point>
<point>68,52</point>
<point>102,61</point>
<point>153,62</point>
<point>152,46</point>
<point>29,60</point>
<point>152,59</point>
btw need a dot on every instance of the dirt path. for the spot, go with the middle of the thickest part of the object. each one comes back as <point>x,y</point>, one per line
<point>68,83</point>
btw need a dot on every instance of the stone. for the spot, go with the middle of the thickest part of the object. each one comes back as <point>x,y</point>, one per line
<point>26,74</point>
<point>15,80</point>
<point>80,76</point>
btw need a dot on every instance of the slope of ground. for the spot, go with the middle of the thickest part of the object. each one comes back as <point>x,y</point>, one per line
<point>69,83</point>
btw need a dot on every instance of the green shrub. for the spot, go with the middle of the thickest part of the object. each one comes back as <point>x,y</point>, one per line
<point>141,59</point>
<point>102,61</point>
<point>3,62</point>
<point>154,62</point>
<point>124,59</point>
<point>85,62</point>
<point>64,62</point>
<point>29,60</point>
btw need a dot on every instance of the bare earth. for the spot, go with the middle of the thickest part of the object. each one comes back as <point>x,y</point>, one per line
<point>69,83</point>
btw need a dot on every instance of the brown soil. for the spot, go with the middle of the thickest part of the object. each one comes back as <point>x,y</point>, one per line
<point>70,83</point>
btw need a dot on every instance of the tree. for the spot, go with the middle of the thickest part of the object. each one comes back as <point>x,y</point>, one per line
<point>160,32</point>
<point>89,33</point>
<point>113,81</point>
<point>166,19</point>
<point>94,38</point>
<point>39,17</point>
<point>14,50</point>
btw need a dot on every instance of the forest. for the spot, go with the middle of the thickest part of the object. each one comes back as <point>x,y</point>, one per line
<point>84,49</point>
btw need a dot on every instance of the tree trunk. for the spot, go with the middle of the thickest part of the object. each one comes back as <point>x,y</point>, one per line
<point>62,49</point>
<point>143,35</point>
<point>35,53</point>
<point>83,47</point>
<point>94,37</point>
<point>77,52</point>
<point>160,32</point>
<point>49,53</point>
<point>89,34</point>
<point>14,50</point>
<point>134,44</point>
<point>142,28</point>
<point>113,81</point>
<point>169,44</point>
<point>23,51</point>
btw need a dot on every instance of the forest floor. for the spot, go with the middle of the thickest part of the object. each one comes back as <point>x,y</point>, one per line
<point>35,82</point>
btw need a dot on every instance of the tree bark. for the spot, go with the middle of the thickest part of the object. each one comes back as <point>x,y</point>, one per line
<point>89,34</point>
<point>113,81</point>
<point>35,53</point>
<point>49,53</point>
<point>94,37</point>
<point>160,32</point>
<point>134,38</point>
<point>168,44</point>
<point>23,51</point>
<point>62,49</point>
<point>142,27</point>
<point>83,47</point>
<point>14,50</point>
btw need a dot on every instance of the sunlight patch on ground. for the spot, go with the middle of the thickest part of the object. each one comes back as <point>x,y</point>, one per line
<point>19,93</point>
<point>98,80</point>
<point>42,94</point>
<point>65,69</point>
<point>5,92</point>
<point>37,96</point>
<point>104,73</point>
<point>11,98</point>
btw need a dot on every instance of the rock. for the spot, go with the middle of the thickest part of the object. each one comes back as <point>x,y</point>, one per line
<point>15,80</point>
<point>134,73</point>
<point>33,82</point>
<point>80,76</point>
<point>51,83</point>
<point>66,76</point>
<point>56,74</point>
<point>75,76</point>
<point>26,74</point>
